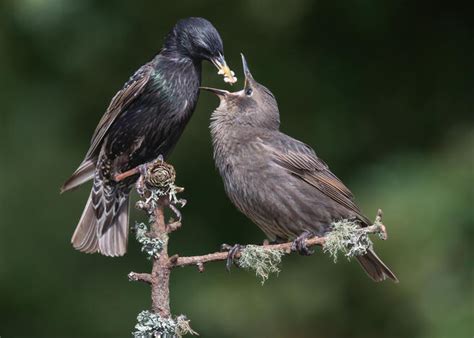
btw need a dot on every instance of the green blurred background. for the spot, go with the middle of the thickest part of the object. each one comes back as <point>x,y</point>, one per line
<point>383,90</point>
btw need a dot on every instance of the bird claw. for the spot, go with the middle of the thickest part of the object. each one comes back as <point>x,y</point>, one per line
<point>142,169</point>
<point>233,251</point>
<point>299,244</point>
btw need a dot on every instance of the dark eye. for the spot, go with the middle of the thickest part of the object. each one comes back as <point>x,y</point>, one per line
<point>248,91</point>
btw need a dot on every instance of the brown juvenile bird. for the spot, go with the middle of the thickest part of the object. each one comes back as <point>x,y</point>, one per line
<point>275,180</point>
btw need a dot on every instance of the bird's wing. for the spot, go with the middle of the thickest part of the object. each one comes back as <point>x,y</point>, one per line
<point>301,160</point>
<point>131,90</point>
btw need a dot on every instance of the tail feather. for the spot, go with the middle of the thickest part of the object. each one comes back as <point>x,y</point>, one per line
<point>84,173</point>
<point>375,268</point>
<point>113,242</point>
<point>89,237</point>
<point>85,236</point>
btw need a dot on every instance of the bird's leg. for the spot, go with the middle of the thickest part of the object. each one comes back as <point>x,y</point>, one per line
<point>140,186</point>
<point>233,251</point>
<point>299,244</point>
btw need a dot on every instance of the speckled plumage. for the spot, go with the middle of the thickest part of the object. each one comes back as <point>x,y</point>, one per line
<point>144,120</point>
<point>274,179</point>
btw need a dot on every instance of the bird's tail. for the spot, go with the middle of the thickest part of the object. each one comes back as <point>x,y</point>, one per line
<point>375,268</point>
<point>84,173</point>
<point>103,226</point>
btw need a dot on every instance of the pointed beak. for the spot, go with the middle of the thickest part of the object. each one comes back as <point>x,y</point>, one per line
<point>248,75</point>
<point>219,92</point>
<point>223,69</point>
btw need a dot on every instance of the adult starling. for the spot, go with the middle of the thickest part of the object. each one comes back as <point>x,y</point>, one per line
<point>144,120</point>
<point>276,180</point>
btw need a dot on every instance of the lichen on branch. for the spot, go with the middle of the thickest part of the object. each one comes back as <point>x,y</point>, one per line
<point>347,237</point>
<point>150,245</point>
<point>150,324</point>
<point>263,260</point>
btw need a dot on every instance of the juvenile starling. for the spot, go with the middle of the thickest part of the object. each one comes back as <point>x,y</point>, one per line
<point>144,120</point>
<point>275,180</point>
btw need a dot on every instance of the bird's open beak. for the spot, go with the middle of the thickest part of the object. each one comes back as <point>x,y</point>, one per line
<point>221,65</point>
<point>218,92</point>
<point>248,75</point>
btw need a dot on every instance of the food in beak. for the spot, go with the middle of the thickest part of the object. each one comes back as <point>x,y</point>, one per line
<point>229,75</point>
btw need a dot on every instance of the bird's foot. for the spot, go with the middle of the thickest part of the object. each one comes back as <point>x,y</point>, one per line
<point>299,244</point>
<point>142,169</point>
<point>232,252</point>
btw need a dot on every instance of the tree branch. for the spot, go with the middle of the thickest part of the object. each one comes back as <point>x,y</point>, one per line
<point>222,256</point>
<point>157,191</point>
<point>285,247</point>
<point>139,277</point>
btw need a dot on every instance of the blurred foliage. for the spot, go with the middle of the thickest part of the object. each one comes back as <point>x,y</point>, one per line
<point>383,90</point>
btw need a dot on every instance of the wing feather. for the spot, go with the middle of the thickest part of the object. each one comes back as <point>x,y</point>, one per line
<point>301,160</point>
<point>131,90</point>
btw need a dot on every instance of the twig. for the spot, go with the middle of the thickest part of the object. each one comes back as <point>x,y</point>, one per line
<point>222,256</point>
<point>285,247</point>
<point>139,277</point>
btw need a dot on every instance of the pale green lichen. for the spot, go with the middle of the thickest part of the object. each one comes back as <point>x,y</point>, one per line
<point>151,246</point>
<point>348,237</point>
<point>263,260</point>
<point>151,325</point>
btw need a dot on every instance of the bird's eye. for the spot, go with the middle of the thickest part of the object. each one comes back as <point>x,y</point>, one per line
<point>248,91</point>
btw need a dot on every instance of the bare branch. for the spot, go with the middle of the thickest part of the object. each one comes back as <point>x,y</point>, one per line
<point>140,277</point>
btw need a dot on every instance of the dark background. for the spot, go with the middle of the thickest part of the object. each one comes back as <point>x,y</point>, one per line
<point>383,90</point>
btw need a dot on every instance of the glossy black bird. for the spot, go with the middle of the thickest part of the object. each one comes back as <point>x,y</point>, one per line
<point>144,120</point>
<point>275,180</point>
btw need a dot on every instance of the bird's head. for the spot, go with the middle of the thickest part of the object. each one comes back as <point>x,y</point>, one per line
<point>198,39</point>
<point>254,105</point>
